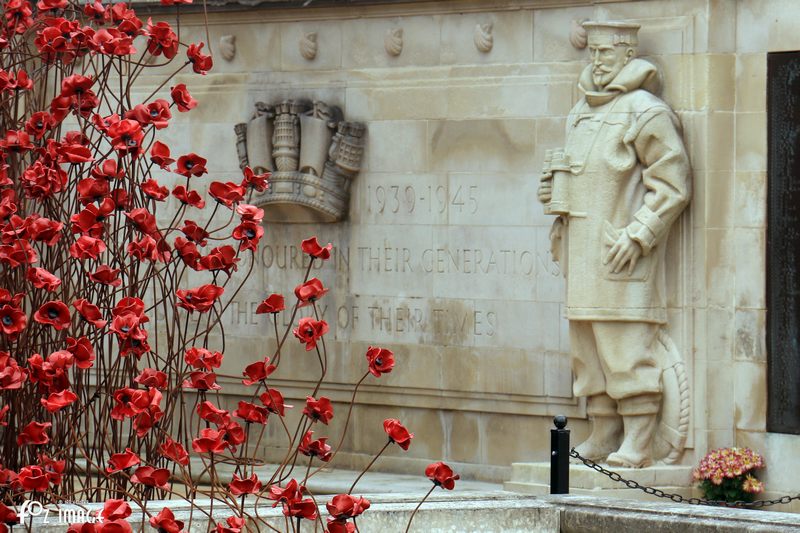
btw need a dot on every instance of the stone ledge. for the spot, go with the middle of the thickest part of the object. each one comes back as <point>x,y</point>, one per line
<point>582,477</point>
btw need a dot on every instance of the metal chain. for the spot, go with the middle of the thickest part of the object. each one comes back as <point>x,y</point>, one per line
<point>758,504</point>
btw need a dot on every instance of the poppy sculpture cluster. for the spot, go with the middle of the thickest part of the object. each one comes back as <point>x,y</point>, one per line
<point>115,279</point>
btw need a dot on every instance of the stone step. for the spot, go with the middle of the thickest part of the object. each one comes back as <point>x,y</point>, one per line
<point>583,477</point>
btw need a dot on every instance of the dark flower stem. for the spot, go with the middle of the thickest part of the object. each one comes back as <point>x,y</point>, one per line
<point>408,527</point>
<point>368,467</point>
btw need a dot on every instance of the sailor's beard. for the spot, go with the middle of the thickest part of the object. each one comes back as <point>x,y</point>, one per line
<point>602,75</point>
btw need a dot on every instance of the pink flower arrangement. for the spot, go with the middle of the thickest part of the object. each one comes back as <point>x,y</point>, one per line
<point>727,474</point>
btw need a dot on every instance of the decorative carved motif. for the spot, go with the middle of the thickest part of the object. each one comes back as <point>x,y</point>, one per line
<point>393,42</point>
<point>227,47</point>
<point>308,45</point>
<point>577,34</point>
<point>484,40</point>
<point>312,153</point>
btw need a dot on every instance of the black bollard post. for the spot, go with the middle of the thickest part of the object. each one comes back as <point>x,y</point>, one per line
<point>559,456</point>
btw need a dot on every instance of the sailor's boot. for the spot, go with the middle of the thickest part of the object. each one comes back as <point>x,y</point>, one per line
<point>640,418</point>
<point>606,428</point>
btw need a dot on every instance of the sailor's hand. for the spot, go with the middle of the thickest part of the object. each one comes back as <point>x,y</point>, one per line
<point>625,251</point>
<point>546,188</point>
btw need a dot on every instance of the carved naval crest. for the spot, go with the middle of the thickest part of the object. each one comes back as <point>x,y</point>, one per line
<point>312,154</point>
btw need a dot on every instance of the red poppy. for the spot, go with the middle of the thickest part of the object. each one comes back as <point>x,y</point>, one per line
<point>74,153</point>
<point>380,360</point>
<point>321,409</point>
<point>89,221</point>
<point>340,526</point>
<point>108,170</point>
<point>344,506</point>
<point>309,292</point>
<point>200,299</point>
<point>315,448</point>
<point>194,232</point>
<point>220,258</point>
<point>397,433</point>
<point>54,313</point>
<point>188,197</point>
<point>306,508</point>
<point>182,98</point>
<point>159,154</point>
<point>292,491</point>
<point>122,461</point>
<point>191,165</point>
<point>87,247</point>
<point>3,421</point>
<point>149,249</point>
<point>153,477</point>
<point>144,221</point>
<point>273,401</point>
<point>235,524</point>
<point>39,124</point>
<point>12,376</point>
<point>42,279</point>
<point>105,275</point>
<point>126,136</point>
<point>150,377</point>
<point>249,233</point>
<point>201,381</point>
<point>174,451</point>
<point>156,113</point>
<point>8,516</point>
<point>115,510</point>
<point>310,331</point>
<point>155,191</point>
<point>41,181</point>
<point>34,433</point>
<point>188,252</point>
<point>58,400</point>
<point>43,229</point>
<point>251,413</point>
<point>202,358</point>
<point>82,351</point>
<point>256,181</point>
<point>89,312</point>
<point>313,248</point>
<point>16,141</point>
<point>250,213</point>
<point>33,478</point>
<point>258,371</point>
<point>210,441</point>
<point>211,413</point>
<point>200,63</point>
<point>441,475</point>
<point>165,522</point>
<point>234,434</point>
<point>239,486</point>
<point>227,193</point>
<point>273,303</point>
<point>12,320</point>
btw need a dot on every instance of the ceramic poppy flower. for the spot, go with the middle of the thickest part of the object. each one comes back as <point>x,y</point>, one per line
<point>201,381</point>
<point>191,165</point>
<point>258,371</point>
<point>211,413</point>
<point>235,524</point>
<point>343,506</point>
<point>150,377</point>
<point>441,475</point>
<point>274,303</point>
<point>188,251</point>
<point>239,486</point>
<point>42,279</point>
<point>340,526</point>
<point>321,409</point>
<point>250,213</point>
<point>87,247</point>
<point>33,478</point>
<point>227,193</point>
<point>273,401</point>
<point>220,258</point>
<point>256,181</point>
<point>182,99</point>
<point>126,136</point>
<point>12,320</point>
<point>165,522</point>
<point>188,197</point>
<point>149,249</point>
<point>39,124</point>
<point>43,229</point>
<point>159,154</point>
<point>202,358</point>
<point>58,400</point>
<point>115,510</point>
<point>249,233</point>
<point>54,313</point>
<point>312,247</point>
<point>380,360</point>
<point>201,63</point>
<point>153,477</point>
<point>82,351</point>
<point>310,331</point>
<point>156,113</point>
<point>89,312</point>
<point>194,232</point>
<point>315,448</point>
<point>144,221</point>
<point>210,441</point>
<point>34,433</point>
<point>155,191</point>
<point>309,292</point>
<point>397,433</point>
<point>305,508</point>
<point>106,275</point>
<point>234,434</point>
<point>251,413</point>
<point>292,491</point>
<point>122,461</point>
<point>200,299</point>
<point>174,451</point>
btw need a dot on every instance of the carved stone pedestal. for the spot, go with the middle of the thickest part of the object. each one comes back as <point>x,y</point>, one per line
<point>534,478</point>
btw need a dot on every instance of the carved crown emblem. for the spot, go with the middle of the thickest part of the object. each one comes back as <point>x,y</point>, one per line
<point>312,153</point>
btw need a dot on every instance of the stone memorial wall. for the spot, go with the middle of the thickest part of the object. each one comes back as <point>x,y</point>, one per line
<point>444,255</point>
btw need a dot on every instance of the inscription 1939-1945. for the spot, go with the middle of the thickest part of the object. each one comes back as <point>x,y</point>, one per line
<point>783,242</point>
